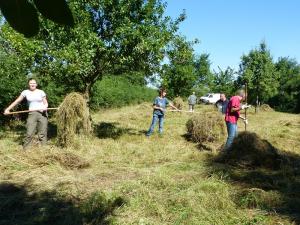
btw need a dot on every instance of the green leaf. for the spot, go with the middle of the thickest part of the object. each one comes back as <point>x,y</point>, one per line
<point>21,15</point>
<point>55,10</point>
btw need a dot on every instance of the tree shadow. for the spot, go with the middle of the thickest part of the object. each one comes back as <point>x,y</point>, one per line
<point>105,130</point>
<point>20,130</point>
<point>20,206</point>
<point>273,185</point>
<point>52,130</point>
<point>205,145</point>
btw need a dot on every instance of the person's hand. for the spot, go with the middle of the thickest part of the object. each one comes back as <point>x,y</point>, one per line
<point>245,106</point>
<point>44,108</point>
<point>246,121</point>
<point>162,109</point>
<point>6,112</point>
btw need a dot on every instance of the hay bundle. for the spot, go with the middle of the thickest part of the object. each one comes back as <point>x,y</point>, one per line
<point>206,127</point>
<point>68,160</point>
<point>40,159</point>
<point>249,150</point>
<point>178,103</point>
<point>72,117</point>
<point>266,108</point>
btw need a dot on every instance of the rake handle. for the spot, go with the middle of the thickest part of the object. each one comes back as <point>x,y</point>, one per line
<point>27,111</point>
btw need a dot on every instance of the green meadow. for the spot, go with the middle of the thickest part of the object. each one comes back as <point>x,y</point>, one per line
<point>119,176</point>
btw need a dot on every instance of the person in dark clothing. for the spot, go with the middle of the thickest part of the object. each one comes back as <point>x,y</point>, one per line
<point>222,103</point>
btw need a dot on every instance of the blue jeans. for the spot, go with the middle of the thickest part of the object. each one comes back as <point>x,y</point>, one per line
<point>156,118</point>
<point>232,133</point>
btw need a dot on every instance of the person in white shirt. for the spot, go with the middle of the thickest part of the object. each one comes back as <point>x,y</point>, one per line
<point>37,117</point>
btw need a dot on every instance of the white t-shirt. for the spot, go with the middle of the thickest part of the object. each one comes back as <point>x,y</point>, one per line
<point>34,98</point>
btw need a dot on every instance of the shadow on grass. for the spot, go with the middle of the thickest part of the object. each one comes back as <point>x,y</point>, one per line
<point>273,185</point>
<point>52,130</point>
<point>19,206</point>
<point>19,128</point>
<point>111,130</point>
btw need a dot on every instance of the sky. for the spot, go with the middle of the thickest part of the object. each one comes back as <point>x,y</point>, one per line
<point>227,29</point>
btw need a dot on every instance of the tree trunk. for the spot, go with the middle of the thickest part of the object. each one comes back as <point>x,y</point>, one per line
<point>87,92</point>
<point>86,95</point>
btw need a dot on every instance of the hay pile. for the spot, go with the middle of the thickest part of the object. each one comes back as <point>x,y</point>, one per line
<point>206,127</point>
<point>39,159</point>
<point>68,160</point>
<point>266,108</point>
<point>72,117</point>
<point>178,103</point>
<point>249,150</point>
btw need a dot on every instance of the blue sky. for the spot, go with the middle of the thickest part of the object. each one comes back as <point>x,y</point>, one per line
<point>227,29</point>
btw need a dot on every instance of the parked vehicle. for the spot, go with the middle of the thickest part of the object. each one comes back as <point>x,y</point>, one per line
<point>210,98</point>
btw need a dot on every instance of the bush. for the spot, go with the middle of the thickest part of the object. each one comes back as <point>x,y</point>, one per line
<point>116,91</point>
<point>12,82</point>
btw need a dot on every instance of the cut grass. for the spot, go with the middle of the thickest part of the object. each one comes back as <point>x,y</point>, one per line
<point>163,180</point>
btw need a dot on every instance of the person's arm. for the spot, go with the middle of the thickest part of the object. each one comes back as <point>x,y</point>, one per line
<point>45,102</point>
<point>157,107</point>
<point>12,105</point>
<point>235,105</point>
<point>235,109</point>
<point>172,106</point>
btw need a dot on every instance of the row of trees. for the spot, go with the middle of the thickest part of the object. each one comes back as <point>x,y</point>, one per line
<point>131,39</point>
<point>110,38</point>
<point>274,83</point>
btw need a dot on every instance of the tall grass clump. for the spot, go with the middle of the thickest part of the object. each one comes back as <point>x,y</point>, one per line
<point>72,117</point>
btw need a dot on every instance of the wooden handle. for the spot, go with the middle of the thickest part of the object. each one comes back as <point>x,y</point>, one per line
<point>27,111</point>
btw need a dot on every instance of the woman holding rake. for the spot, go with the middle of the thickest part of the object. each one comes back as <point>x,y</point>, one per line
<point>37,116</point>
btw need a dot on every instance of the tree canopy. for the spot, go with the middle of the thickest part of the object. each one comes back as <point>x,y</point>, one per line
<point>110,37</point>
<point>258,70</point>
<point>179,74</point>
<point>23,15</point>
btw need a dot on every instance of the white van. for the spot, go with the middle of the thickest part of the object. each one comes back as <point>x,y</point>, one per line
<point>210,98</point>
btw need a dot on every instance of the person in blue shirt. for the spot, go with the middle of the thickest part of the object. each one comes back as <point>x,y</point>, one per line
<point>160,104</point>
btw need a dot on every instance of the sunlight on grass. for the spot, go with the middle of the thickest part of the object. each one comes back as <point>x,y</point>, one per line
<point>163,180</point>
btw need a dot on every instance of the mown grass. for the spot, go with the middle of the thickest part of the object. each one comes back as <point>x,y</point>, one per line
<point>131,179</point>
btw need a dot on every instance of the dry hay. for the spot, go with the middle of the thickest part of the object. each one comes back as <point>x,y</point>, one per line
<point>178,103</point>
<point>67,160</point>
<point>249,150</point>
<point>143,106</point>
<point>266,108</point>
<point>206,127</point>
<point>72,117</point>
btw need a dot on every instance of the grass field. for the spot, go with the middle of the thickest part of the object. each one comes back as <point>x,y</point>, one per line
<point>119,176</point>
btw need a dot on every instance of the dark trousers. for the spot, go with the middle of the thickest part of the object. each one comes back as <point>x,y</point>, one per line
<point>36,121</point>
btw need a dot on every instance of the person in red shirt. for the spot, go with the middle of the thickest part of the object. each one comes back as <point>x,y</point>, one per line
<point>232,115</point>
